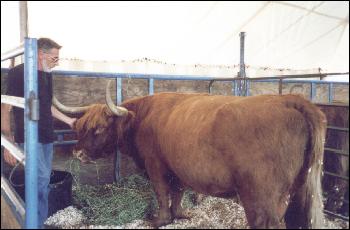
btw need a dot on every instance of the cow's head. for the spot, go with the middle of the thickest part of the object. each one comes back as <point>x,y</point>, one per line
<point>100,128</point>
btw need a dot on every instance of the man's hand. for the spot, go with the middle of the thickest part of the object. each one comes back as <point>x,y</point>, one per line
<point>62,117</point>
<point>9,158</point>
<point>72,122</point>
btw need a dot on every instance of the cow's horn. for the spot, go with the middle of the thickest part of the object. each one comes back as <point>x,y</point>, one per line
<point>117,110</point>
<point>67,109</point>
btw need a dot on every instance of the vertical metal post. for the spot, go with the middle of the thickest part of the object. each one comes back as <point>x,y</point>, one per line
<point>330,92</point>
<point>118,156</point>
<point>60,137</point>
<point>31,132</point>
<point>280,86</point>
<point>119,91</point>
<point>313,91</point>
<point>247,88</point>
<point>235,87</point>
<point>23,24</point>
<point>210,86</point>
<point>242,65</point>
<point>151,86</point>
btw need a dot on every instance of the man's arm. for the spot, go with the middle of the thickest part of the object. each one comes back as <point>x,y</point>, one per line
<point>62,117</point>
<point>5,119</point>
<point>6,130</point>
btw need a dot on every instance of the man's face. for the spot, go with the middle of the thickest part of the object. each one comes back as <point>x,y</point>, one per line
<point>49,59</point>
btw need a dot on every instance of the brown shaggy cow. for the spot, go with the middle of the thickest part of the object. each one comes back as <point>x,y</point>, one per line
<point>266,149</point>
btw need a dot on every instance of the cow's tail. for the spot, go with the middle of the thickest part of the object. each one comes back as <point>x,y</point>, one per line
<point>309,191</point>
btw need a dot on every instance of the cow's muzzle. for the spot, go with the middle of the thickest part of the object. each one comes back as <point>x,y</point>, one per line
<point>81,155</point>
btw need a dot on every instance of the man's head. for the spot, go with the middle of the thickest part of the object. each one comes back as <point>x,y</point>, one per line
<point>48,54</point>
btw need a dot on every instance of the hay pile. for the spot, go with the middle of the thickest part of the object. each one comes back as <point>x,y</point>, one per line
<point>115,204</point>
<point>129,203</point>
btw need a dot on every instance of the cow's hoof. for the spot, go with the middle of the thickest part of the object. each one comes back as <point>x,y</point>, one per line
<point>158,222</point>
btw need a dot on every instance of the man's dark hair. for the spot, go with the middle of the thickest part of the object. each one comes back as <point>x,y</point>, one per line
<point>46,44</point>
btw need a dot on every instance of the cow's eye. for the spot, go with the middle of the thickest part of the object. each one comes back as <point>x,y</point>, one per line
<point>99,130</point>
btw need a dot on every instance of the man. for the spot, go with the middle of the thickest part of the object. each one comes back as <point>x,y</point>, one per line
<point>48,56</point>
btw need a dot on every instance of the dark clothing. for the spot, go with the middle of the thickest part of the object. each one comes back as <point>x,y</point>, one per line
<point>16,88</point>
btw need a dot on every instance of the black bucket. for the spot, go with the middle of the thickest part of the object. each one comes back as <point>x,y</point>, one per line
<point>60,195</point>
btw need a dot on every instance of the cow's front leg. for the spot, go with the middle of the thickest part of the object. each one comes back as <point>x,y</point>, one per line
<point>157,174</point>
<point>177,190</point>
<point>176,208</point>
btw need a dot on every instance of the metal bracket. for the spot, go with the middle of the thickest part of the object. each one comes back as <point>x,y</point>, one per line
<point>33,107</point>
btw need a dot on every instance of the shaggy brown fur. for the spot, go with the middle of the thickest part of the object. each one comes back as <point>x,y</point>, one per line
<point>92,119</point>
<point>267,149</point>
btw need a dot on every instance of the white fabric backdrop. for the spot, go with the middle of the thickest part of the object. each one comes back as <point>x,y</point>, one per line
<point>281,37</point>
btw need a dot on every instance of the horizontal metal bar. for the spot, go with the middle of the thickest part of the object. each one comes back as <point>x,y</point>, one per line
<point>287,76</point>
<point>63,131</point>
<point>338,128</point>
<point>12,53</point>
<point>183,77</point>
<point>5,70</point>
<point>58,143</point>
<point>15,200</point>
<point>336,175</point>
<point>11,100</point>
<point>336,215</point>
<point>333,104</point>
<point>195,77</point>
<point>337,151</point>
<point>132,75</point>
<point>14,149</point>
<point>286,81</point>
<point>334,197</point>
<point>187,77</point>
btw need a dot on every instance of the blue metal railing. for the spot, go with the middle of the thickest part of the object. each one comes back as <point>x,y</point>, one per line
<point>31,132</point>
<point>235,82</point>
<point>283,79</point>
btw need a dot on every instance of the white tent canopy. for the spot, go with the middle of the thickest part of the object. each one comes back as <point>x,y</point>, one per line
<point>290,37</point>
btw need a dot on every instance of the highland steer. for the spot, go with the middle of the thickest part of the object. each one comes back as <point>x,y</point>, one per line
<point>266,149</point>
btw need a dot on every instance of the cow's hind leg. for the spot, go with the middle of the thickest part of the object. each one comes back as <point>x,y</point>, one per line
<point>263,209</point>
<point>295,215</point>
<point>262,217</point>
<point>298,213</point>
<point>306,207</point>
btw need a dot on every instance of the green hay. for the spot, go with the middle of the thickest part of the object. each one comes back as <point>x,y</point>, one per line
<point>120,203</point>
<point>116,204</point>
<point>189,199</point>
